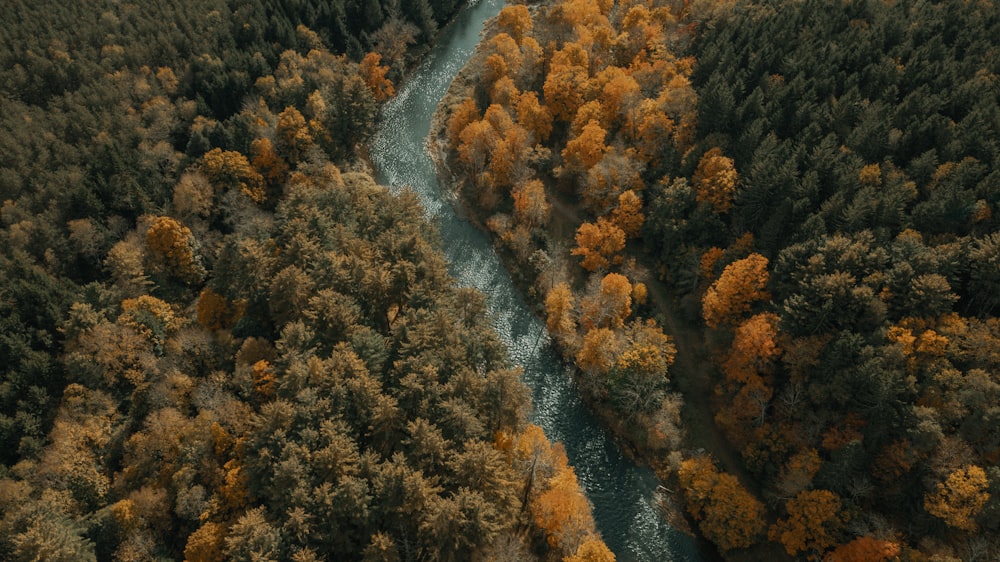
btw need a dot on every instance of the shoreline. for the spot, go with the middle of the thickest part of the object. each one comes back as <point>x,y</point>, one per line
<point>668,495</point>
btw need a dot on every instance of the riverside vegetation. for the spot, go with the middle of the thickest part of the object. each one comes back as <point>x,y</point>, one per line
<point>816,185</point>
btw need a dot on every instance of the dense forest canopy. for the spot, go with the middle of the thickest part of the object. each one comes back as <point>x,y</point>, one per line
<point>817,186</point>
<point>218,338</point>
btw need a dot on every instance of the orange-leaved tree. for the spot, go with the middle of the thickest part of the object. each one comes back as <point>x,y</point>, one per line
<point>628,214</point>
<point>461,116</point>
<point>585,150</point>
<point>754,349</point>
<point>726,512</point>
<point>742,283</point>
<point>598,244</point>
<point>592,549</point>
<point>813,522</point>
<point>171,245</point>
<point>228,169</point>
<point>373,74</point>
<point>560,308</point>
<point>864,549</point>
<point>515,20</point>
<point>608,304</point>
<point>599,351</point>
<point>715,180</point>
<point>959,499</point>
<point>533,116</point>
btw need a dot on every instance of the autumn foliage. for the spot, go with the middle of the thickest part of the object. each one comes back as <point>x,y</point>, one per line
<point>813,522</point>
<point>599,244</point>
<point>960,498</point>
<point>727,514</point>
<point>374,75</point>
<point>741,284</point>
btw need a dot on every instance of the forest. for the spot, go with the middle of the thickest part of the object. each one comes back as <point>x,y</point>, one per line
<point>792,205</point>
<point>219,338</point>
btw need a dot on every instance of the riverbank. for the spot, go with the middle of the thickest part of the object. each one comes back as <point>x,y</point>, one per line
<point>693,374</point>
<point>561,228</point>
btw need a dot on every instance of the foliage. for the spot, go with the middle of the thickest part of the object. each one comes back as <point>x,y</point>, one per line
<point>217,345</point>
<point>727,514</point>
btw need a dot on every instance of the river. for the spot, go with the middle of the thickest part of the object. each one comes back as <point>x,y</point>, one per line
<point>622,493</point>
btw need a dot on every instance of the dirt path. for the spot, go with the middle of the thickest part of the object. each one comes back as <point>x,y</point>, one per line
<point>693,371</point>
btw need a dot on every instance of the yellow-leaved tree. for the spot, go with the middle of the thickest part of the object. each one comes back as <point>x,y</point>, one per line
<point>814,519</point>
<point>742,283</point>
<point>959,499</point>
<point>728,515</point>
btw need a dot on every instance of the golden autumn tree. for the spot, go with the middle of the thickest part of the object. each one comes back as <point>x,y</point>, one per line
<point>461,116</point>
<point>171,246</point>
<point>864,549</point>
<point>618,91</point>
<point>566,82</point>
<point>270,165</point>
<point>533,116</point>
<point>715,180</point>
<point>228,169</point>
<point>598,244</point>
<point>215,311</point>
<point>505,92</point>
<point>515,20</point>
<point>563,511</point>
<point>650,352</point>
<point>608,304</point>
<point>206,544</point>
<point>509,158</point>
<point>293,135</point>
<point>582,152</point>
<point>560,309</point>
<point>754,349</point>
<point>814,519</point>
<point>504,60</point>
<point>592,549</point>
<point>959,499</point>
<point>650,130</point>
<point>373,73</point>
<point>530,204</point>
<point>477,141</point>
<point>742,283</point>
<point>728,515</point>
<point>628,214</point>
<point>592,110</point>
<point>599,351</point>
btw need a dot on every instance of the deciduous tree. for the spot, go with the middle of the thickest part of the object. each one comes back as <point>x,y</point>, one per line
<point>813,522</point>
<point>628,215</point>
<point>598,244</point>
<point>728,515</point>
<point>171,246</point>
<point>959,499</point>
<point>742,283</point>
<point>608,304</point>
<point>530,204</point>
<point>715,180</point>
<point>374,75</point>
<point>864,549</point>
<point>585,150</point>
